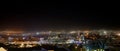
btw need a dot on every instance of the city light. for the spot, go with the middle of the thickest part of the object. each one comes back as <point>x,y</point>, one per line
<point>118,34</point>
<point>22,45</point>
<point>2,49</point>
<point>73,32</point>
<point>37,33</point>
<point>85,39</point>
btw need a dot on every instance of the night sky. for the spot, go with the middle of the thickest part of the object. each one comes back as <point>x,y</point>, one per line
<point>37,16</point>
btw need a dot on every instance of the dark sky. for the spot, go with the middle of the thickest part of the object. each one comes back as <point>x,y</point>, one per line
<point>38,15</point>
